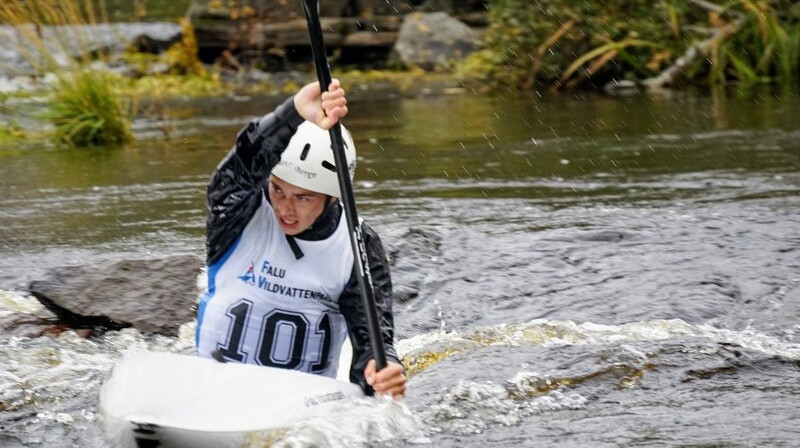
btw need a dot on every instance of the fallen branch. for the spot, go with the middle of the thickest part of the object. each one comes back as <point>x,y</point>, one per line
<point>696,51</point>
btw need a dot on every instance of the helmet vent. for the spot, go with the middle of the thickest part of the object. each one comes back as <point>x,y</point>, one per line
<point>306,149</point>
<point>328,165</point>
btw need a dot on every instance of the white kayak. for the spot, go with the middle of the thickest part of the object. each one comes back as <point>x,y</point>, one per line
<point>164,400</point>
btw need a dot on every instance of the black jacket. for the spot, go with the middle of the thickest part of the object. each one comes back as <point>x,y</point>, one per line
<point>234,195</point>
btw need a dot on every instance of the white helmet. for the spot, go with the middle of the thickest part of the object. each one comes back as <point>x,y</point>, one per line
<point>308,160</point>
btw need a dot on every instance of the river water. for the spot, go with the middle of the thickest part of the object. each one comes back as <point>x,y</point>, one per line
<point>570,270</point>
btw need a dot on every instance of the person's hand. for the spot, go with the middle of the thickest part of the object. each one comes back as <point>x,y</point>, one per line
<point>321,108</point>
<point>390,380</point>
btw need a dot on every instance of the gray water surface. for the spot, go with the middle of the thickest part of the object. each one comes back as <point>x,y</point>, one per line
<point>570,270</point>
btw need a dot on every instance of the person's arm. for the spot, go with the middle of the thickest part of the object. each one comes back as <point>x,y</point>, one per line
<point>235,186</point>
<point>352,307</point>
<point>234,190</point>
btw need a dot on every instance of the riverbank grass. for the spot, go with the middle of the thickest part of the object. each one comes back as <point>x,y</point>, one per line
<point>86,110</point>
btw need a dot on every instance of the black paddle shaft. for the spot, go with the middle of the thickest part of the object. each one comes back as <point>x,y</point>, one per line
<point>311,8</point>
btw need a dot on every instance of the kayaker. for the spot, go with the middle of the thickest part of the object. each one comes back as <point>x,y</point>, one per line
<point>282,290</point>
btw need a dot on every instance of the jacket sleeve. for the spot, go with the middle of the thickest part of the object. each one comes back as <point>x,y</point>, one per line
<point>236,184</point>
<point>352,307</point>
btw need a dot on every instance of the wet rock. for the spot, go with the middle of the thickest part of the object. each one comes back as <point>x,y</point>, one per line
<point>410,262</point>
<point>433,40</point>
<point>153,296</point>
<point>621,87</point>
<point>604,236</point>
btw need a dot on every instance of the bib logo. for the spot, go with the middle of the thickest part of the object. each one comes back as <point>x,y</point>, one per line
<point>249,277</point>
<point>267,269</point>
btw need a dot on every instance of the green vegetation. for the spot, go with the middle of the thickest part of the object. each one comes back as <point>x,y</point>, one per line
<point>11,132</point>
<point>86,110</point>
<point>766,47</point>
<point>562,43</point>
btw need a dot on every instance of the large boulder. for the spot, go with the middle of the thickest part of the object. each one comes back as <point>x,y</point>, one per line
<point>153,296</point>
<point>432,40</point>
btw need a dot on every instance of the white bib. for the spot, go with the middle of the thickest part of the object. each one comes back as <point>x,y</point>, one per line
<point>263,306</point>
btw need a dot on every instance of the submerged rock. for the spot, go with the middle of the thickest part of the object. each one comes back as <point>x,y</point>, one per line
<point>153,296</point>
<point>410,261</point>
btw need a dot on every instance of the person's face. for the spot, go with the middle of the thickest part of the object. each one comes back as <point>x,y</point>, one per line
<point>295,208</point>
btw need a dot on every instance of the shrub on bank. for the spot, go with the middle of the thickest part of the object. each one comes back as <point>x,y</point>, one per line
<point>562,43</point>
<point>86,110</point>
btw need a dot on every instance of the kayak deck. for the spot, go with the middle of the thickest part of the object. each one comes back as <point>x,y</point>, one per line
<point>167,399</point>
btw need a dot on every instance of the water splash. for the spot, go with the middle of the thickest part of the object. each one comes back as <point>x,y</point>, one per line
<point>472,407</point>
<point>420,352</point>
<point>363,422</point>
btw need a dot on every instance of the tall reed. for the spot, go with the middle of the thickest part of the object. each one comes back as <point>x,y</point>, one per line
<point>766,48</point>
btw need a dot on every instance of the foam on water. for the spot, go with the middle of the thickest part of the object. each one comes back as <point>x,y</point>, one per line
<point>356,423</point>
<point>16,302</point>
<point>471,407</point>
